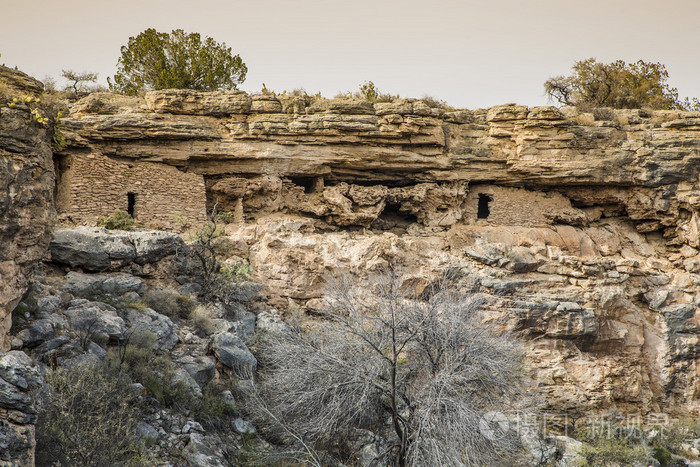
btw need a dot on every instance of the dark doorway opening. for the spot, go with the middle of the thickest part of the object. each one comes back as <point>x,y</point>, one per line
<point>307,182</point>
<point>483,210</point>
<point>131,203</point>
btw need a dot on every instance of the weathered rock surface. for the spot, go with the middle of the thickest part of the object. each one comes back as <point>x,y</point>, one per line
<point>93,320</point>
<point>18,376</point>
<point>27,179</point>
<point>97,285</point>
<point>610,322</point>
<point>161,326</point>
<point>99,249</point>
<point>230,350</point>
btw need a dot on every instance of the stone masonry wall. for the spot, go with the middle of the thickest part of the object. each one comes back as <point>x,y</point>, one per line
<point>93,186</point>
<point>517,206</point>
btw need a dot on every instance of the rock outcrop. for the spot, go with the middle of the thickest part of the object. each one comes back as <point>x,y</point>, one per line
<point>18,377</point>
<point>99,249</point>
<point>348,161</point>
<point>27,211</point>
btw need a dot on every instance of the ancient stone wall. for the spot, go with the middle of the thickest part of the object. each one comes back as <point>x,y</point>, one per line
<point>517,206</point>
<point>94,186</point>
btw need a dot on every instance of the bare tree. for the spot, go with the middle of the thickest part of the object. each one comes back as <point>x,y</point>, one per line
<point>78,81</point>
<point>422,372</point>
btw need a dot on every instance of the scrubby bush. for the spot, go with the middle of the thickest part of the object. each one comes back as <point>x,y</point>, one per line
<point>419,371</point>
<point>58,140</point>
<point>77,82</point>
<point>212,410</point>
<point>169,302</point>
<point>87,417</point>
<point>618,85</point>
<point>137,358</point>
<point>120,220</point>
<point>220,282</point>
<point>369,91</point>
<point>675,439</point>
<point>202,320</point>
<point>611,444</point>
<point>434,103</point>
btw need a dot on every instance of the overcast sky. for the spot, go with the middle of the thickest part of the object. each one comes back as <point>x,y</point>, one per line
<point>469,53</point>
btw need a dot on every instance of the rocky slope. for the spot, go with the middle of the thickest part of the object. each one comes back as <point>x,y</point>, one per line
<point>101,291</point>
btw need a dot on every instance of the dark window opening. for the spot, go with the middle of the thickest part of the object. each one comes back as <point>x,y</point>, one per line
<point>483,210</point>
<point>131,203</point>
<point>307,182</point>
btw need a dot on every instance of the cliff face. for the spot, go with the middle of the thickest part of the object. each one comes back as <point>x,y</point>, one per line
<point>27,184</point>
<point>27,215</point>
<point>580,230</point>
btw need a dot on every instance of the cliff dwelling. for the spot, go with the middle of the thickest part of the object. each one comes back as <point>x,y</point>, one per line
<point>354,164</point>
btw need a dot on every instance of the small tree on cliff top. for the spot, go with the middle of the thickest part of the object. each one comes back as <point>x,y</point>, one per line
<point>156,60</point>
<point>78,81</point>
<point>423,372</point>
<point>618,85</point>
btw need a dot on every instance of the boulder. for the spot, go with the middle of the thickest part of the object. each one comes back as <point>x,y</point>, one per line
<point>41,330</point>
<point>269,321</point>
<point>92,248</point>
<point>96,285</point>
<point>48,305</point>
<point>202,369</point>
<point>152,245</point>
<point>89,318</point>
<point>243,426</point>
<point>99,249</point>
<point>244,324</point>
<point>230,350</point>
<point>160,325</point>
<point>183,377</point>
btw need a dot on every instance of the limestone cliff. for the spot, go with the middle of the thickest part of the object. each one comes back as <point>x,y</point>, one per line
<point>580,230</point>
<point>27,184</point>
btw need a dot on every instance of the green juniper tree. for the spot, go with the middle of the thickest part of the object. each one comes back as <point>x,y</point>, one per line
<point>156,60</point>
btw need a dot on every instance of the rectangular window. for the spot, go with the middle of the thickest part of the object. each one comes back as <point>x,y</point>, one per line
<point>131,203</point>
